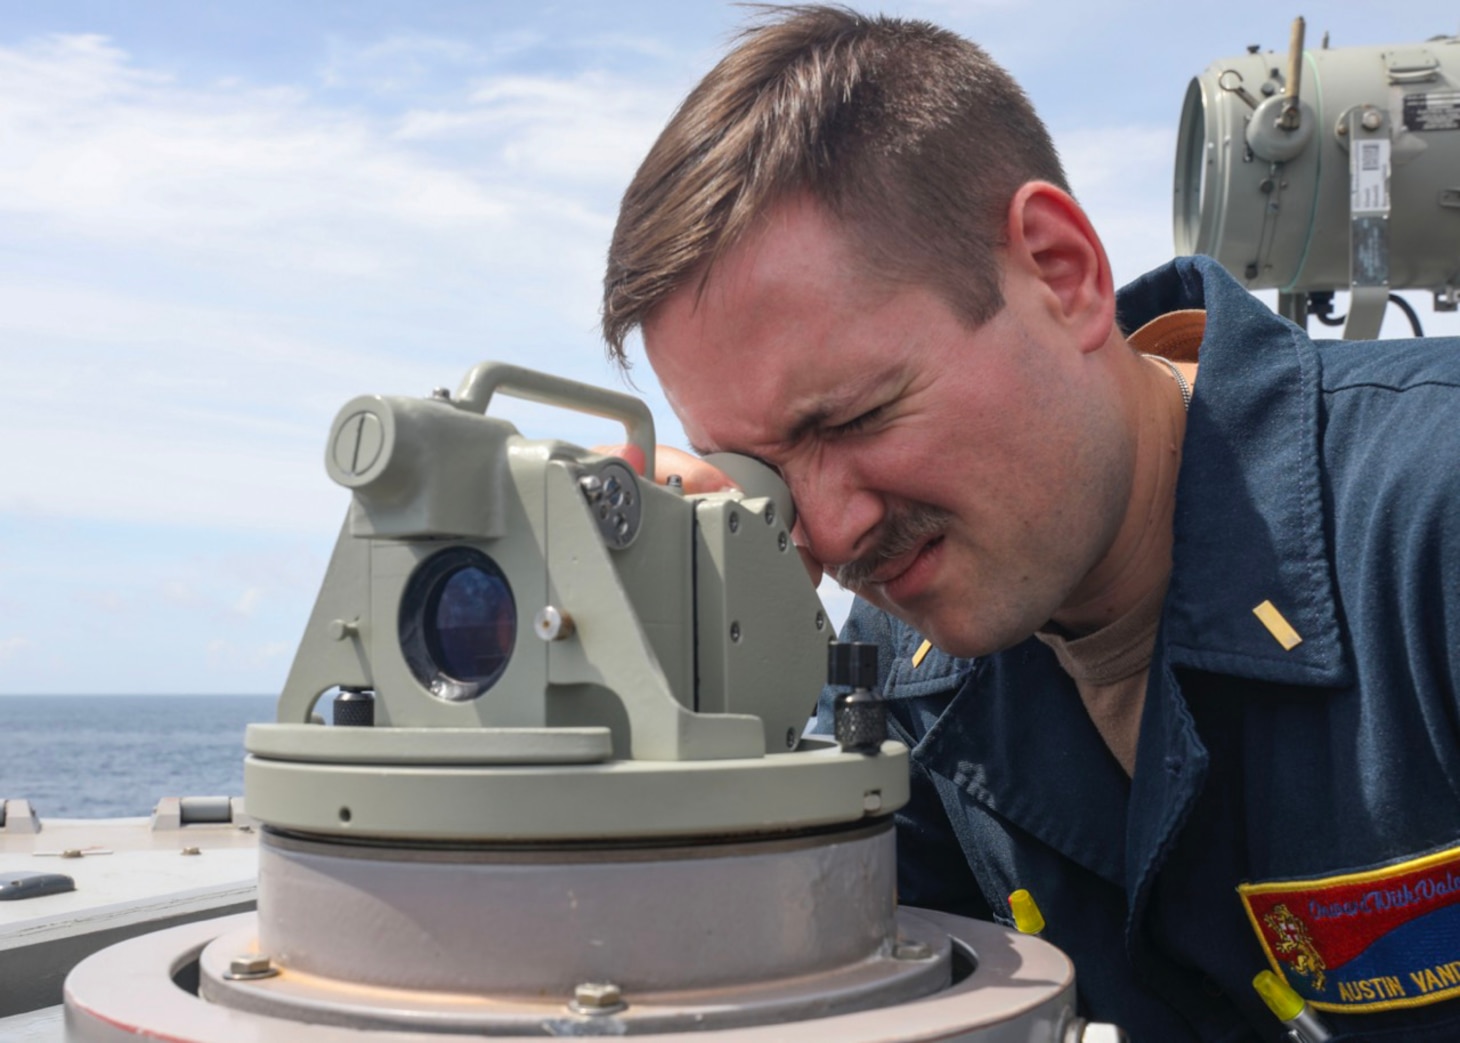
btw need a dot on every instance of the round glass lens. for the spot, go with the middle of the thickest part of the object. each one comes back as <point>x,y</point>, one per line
<point>471,624</point>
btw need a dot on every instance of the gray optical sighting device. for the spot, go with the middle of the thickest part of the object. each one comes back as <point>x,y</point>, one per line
<point>565,791</point>
<point>504,602</point>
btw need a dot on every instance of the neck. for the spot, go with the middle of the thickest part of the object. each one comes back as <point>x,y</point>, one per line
<point>1138,562</point>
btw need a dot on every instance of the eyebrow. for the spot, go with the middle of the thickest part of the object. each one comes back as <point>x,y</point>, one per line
<point>805,424</point>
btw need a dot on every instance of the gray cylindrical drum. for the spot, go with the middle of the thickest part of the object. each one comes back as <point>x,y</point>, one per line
<point>517,922</point>
<point>1285,225</point>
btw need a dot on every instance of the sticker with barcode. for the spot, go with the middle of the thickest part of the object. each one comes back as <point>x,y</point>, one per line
<point>1369,176</point>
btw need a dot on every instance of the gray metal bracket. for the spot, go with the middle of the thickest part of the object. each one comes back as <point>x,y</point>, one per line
<point>1369,133</point>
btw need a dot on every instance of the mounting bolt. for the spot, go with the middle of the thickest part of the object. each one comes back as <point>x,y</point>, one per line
<point>192,851</point>
<point>1371,119</point>
<point>597,997</point>
<point>912,951</point>
<point>552,623</point>
<point>250,967</point>
<point>441,394</point>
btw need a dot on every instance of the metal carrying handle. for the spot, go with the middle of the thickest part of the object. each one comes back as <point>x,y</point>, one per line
<point>1292,114</point>
<point>488,378</point>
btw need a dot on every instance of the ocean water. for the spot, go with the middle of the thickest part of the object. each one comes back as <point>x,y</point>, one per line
<point>101,756</point>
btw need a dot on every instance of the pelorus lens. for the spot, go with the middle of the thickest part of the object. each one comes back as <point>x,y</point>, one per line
<point>458,623</point>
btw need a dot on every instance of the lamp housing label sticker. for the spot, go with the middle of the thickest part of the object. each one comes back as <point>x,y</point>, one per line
<point>1432,110</point>
<point>1375,939</point>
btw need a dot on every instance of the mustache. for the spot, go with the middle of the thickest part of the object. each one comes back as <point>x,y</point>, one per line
<point>902,530</point>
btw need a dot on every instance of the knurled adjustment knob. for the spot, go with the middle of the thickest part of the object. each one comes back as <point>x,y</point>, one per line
<point>860,717</point>
<point>354,708</point>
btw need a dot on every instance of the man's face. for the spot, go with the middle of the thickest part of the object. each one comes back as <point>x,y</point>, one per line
<point>964,479</point>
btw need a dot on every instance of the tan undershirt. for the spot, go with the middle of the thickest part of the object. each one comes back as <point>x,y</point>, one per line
<point>1110,665</point>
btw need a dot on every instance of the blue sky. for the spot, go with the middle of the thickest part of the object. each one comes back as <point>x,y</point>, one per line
<point>220,222</point>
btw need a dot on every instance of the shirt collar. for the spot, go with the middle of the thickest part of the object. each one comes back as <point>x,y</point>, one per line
<point>1249,522</point>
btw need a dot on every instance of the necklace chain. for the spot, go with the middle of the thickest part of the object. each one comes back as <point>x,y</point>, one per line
<point>1181,380</point>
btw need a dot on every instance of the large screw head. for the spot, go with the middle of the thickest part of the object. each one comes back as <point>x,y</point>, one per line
<point>911,950</point>
<point>552,623</point>
<point>597,997</point>
<point>250,967</point>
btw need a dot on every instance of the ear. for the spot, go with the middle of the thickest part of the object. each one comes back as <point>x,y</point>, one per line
<point>1051,240</point>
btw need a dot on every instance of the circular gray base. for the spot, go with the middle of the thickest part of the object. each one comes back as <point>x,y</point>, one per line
<point>1021,991</point>
<point>880,980</point>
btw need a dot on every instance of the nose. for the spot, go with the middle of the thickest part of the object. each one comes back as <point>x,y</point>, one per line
<point>837,516</point>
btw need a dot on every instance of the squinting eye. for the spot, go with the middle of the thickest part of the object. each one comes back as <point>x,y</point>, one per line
<point>856,424</point>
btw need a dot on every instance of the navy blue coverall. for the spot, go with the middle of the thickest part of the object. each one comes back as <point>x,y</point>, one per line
<point>1323,478</point>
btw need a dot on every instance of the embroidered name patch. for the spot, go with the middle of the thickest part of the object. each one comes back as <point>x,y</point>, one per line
<point>1372,940</point>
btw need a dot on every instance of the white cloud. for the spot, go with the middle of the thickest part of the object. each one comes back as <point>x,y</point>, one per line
<point>413,62</point>
<point>10,647</point>
<point>206,272</point>
<point>273,652</point>
<point>228,657</point>
<point>248,602</point>
<point>1122,176</point>
<point>103,148</point>
<point>108,601</point>
<point>592,127</point>
<point>181,593</point>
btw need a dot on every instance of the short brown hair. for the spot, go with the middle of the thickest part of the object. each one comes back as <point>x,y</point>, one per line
<point>909,135</point>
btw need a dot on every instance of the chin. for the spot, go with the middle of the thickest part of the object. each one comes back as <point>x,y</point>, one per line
<point>965,637</point>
